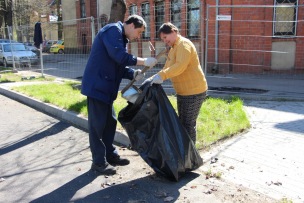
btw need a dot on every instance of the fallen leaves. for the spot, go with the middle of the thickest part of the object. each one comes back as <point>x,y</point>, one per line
<point>277,183</point>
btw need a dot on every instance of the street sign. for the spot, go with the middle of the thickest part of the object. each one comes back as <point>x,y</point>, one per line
<point>223,17</point>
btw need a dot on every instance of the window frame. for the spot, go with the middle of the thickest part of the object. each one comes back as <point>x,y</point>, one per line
<point>291,33</point>
<point>131,10</point>
<point>146,16</point>
<point>198,8</point>
<point>157,21</point>
<point>83,13</point>
<point>176,12</point>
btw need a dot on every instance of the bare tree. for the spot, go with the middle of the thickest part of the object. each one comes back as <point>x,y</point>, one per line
<point>6,16</point>
<point>118,11</point>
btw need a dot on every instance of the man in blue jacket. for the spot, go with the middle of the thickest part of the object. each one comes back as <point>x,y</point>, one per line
<point>106,67</point>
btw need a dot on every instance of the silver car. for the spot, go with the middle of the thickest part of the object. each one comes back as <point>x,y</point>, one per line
<point>20,53</point>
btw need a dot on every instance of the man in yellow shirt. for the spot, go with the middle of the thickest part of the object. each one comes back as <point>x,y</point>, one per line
<point>184,70</point>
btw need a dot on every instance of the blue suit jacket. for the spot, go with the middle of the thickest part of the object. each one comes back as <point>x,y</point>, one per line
<point>107,64</point>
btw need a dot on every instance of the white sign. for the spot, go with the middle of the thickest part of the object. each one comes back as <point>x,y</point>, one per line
<point>223,17</point>
<point>53,18</point>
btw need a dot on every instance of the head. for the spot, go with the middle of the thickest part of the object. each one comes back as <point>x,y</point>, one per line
<point>134,26</point>
<point>168,33</point>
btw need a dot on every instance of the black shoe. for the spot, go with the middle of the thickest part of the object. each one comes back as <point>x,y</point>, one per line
<point>115,160</point>
<point>106,169</point>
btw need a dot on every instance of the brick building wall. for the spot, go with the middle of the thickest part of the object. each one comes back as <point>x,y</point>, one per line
<point>251,29</point>
<point>84,35</point>
<point>246,43</point>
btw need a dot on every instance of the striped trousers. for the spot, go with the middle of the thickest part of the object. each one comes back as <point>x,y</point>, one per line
<point>188,108</point>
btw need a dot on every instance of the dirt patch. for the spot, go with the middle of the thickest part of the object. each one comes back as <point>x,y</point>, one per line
<point>193,187</point>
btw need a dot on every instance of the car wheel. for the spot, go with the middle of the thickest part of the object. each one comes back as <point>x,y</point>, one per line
<point>60,51</point>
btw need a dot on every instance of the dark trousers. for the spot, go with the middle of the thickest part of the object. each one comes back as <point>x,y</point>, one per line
<point>188,108</point>
<point>102,127</point>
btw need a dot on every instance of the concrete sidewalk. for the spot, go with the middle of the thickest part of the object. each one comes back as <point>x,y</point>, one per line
<point>268,158</point>
<point>51,159</point>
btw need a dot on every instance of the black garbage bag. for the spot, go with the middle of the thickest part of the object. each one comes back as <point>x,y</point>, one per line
<point>156,133</point>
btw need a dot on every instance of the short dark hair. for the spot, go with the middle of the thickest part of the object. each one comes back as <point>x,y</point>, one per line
<point>137,20</point>
<point>167,28</point>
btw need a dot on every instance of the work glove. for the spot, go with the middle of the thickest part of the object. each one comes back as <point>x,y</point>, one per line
<point>150,61</point>
<point>138,75</point>
<point>155,79</point>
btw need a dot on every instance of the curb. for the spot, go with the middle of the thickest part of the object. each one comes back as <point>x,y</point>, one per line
<point>62,114</point>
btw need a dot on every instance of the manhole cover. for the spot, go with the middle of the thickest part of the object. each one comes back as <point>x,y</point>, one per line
<point>238,89</point>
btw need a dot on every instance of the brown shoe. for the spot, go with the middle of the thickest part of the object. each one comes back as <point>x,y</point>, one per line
<point>105,169</point>
<point>116,160</point>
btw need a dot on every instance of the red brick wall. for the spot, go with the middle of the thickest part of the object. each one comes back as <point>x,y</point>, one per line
<point>240,34</point>
<point>244,43</point>
<point>84,26</point>
<point>299,64</point>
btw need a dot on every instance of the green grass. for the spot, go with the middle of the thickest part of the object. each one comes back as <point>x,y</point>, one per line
<point>218,118</point>
<point>13,77</point>
<point>9,77</point>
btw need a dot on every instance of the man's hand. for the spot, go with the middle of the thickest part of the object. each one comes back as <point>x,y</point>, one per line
<point>138,75</point>
<point>150,61</point>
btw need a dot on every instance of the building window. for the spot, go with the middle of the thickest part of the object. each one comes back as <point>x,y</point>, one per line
<point>285,17</point>
<point>145,12</point>
<point>176,7</point>
<point>133,9</point>
<point>159,14</point>
<point>82,9</point>
<point>193,18</point>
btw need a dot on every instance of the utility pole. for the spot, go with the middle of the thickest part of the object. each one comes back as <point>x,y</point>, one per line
<point>59,14</point>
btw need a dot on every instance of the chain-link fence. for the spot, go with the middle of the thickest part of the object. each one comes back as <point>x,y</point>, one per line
<point>255,49</point>
<point>243,41</point>
<point>254,39</point>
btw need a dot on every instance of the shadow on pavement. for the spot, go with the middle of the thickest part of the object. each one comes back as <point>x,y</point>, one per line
<point>295,126</point>
<point>151,188</point>
<point>68,190</point>
<point>53,130</point>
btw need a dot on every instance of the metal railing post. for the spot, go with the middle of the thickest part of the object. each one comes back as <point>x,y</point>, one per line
<point>12,51</point>
<point>206,45</point>
<point>92,28</point>
<point>41,60</point>
<point>202,34</point>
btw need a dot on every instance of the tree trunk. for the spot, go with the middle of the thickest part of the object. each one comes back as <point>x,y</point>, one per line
<point>118,11</point>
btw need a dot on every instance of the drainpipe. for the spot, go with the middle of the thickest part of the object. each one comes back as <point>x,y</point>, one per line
<point>215,67</point>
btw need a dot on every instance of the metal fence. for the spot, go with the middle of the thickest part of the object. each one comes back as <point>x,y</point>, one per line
<point>255,49</point>
<point>238,45</point>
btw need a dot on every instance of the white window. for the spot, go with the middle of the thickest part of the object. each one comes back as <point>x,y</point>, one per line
<point>145,12</point>
<point>82,9</point>
<point>176,7</point>
<point>133,9</point>
<point>285,17</point>
<point>193,17</point>
<point>159,14</point>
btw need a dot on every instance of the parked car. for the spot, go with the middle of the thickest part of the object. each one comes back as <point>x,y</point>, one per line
<point>30,46</point>
<point>20,53</point>
<point>7,41</point>
<point>58,48</point>
<point>46,45</point>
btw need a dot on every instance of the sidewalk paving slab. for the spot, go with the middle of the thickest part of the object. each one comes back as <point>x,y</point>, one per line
<point>266,160</point>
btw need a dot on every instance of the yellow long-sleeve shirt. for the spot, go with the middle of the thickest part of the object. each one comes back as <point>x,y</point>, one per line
<point>183,68</point>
